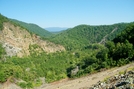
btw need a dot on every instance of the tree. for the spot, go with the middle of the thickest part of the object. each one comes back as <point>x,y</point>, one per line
<point>2,51</point>
<point>2,76</point>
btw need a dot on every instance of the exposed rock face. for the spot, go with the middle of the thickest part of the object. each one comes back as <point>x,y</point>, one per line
<point>17,40</point>
<point>74,71</point>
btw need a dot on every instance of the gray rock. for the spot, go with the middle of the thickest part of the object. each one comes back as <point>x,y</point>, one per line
<point>123,81</point>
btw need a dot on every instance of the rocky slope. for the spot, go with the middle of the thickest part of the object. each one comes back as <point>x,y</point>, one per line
<point>118,81</point>
<point>17,40</point>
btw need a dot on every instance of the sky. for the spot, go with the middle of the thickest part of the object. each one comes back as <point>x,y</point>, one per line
<point>68,13</point>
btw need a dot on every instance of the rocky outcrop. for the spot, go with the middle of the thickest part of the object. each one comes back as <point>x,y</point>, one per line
<point>74,71</point>
<point>16,41</point>
<point>121,81</point>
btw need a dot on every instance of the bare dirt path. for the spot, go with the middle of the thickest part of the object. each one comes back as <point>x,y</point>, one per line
<point>87,81</point>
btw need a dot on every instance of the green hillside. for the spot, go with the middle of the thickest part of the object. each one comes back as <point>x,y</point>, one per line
<point>94,58</point>
<point>85,55</point>
<point>83,35</point>
<point>33,28</point>
<point>117,52</point>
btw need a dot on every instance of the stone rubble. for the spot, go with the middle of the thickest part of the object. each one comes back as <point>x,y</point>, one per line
<point>120,81</point>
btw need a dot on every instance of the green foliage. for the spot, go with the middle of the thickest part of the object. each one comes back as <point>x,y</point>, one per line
<point>123,45</point>
<point>26,85</point>
<point>118,52</point>
<point>83,35</point>
<point>2,51</point>
<point>83,51</point>
<point>127,34</point>
<point>22,84</point>
<point>2,76</point>
<point>31,68</point>
<point>33,28</point>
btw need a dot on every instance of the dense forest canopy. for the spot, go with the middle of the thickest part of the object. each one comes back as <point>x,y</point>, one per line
<point>83,35</point>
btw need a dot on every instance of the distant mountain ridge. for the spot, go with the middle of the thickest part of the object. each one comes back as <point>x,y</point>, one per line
<point>55,29</point>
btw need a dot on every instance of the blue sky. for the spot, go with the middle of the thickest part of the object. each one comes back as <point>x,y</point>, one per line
<point>68,13</point>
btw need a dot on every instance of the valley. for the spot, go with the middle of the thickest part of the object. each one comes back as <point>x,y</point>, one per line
<point>31,57</point>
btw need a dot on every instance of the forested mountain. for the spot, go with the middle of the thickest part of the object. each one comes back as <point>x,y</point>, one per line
<point>83,35</point>
<point>117,52</point>
<point>33,28</point>
<point>47,62</point>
